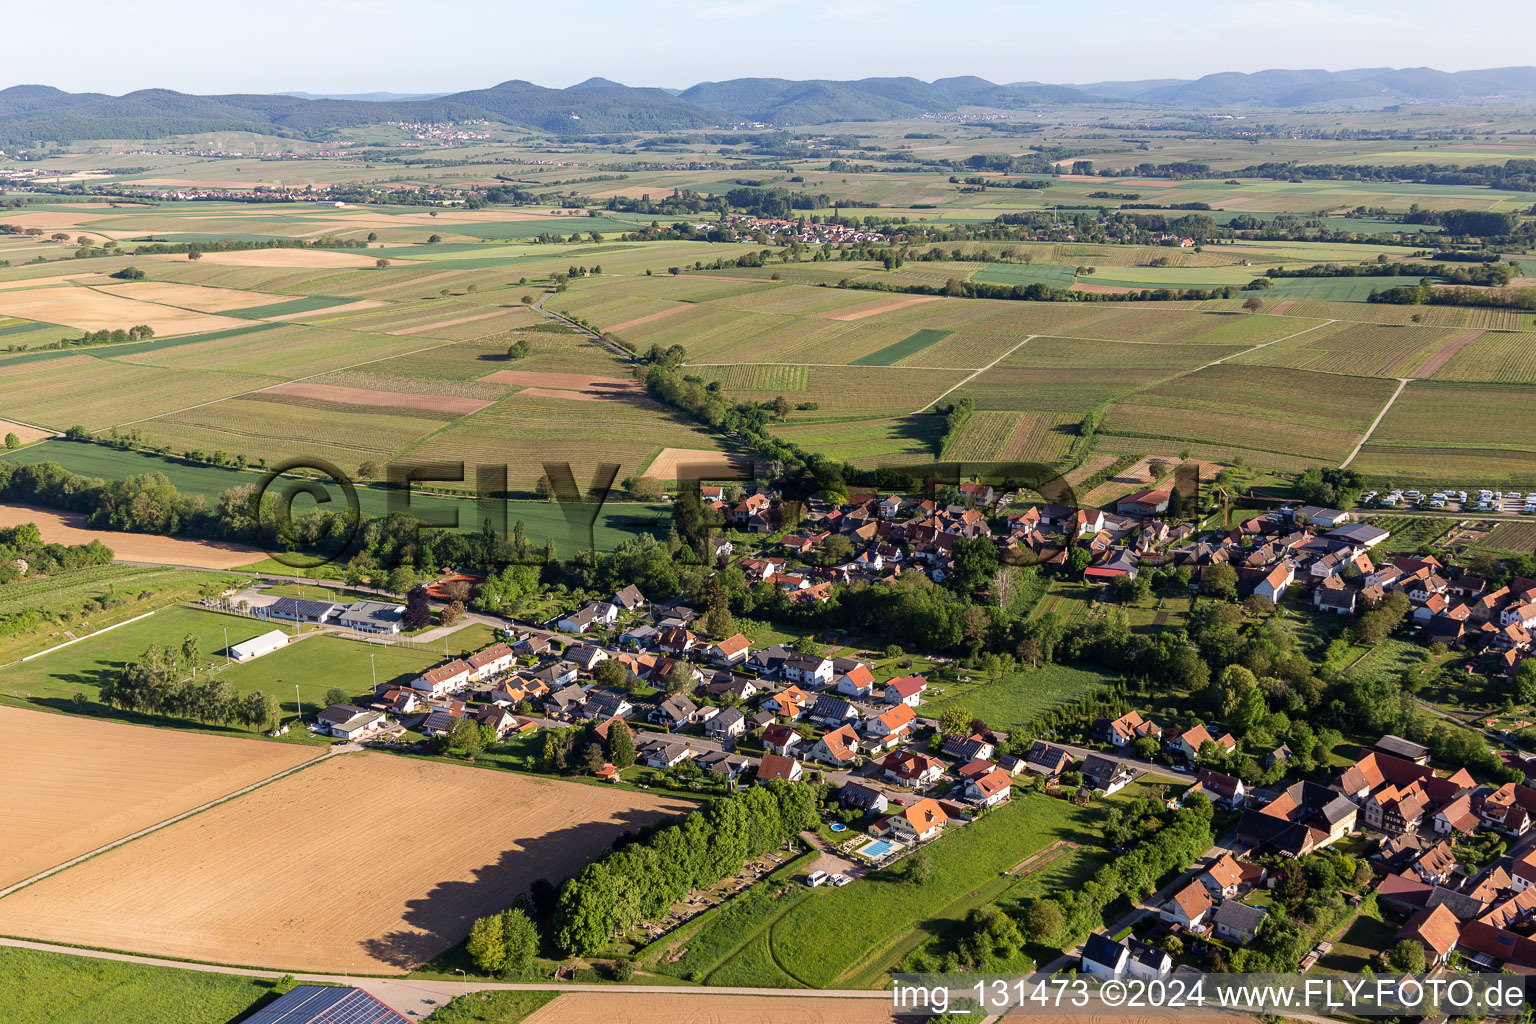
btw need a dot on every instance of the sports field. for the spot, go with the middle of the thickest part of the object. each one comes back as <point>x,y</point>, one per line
<point>367,862</point>
<point>75,784</point>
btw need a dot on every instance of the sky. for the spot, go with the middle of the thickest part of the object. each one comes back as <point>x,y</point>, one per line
<point>357,46</point>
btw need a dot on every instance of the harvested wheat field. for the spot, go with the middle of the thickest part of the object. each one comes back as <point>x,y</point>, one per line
<point>370,862</point>
<point>564,382</point>
<point>377,399</point>
<point>701,465</point>
<point>76,784</point>
<point>25,433</point>
<point>202,298</point>
<point>287,258</point>
<point>74,528</point>
<point>356,306</point>
<point>92,310</point>
<point>882,306</point>
<point>705,1007</point>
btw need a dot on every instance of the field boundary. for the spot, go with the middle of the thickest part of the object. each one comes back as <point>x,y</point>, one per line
<point>930,404</point>
<point>1402,382</point>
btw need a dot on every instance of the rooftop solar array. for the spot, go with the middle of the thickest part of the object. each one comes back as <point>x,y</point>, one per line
<point>316,1004</point>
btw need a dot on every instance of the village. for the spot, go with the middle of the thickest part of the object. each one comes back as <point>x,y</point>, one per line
<point>638,693</point>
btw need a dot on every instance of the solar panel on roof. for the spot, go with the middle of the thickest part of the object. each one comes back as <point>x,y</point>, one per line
<point>317,1004</point>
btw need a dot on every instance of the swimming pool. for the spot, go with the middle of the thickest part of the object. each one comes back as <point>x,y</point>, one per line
<point>877,849</point>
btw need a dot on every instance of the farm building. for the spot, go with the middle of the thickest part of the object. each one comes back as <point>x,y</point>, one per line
<point>319,1004</point>
<point>256,646</point>
<point>1143,503</point>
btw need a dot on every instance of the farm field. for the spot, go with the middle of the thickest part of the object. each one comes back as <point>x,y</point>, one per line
<point>74,528</point>
<point>167,893</point>
<point>1290,412</point>
<point>1511,536</point>
<point>708,1008</point>
<point>1437,429</point>
<point>43,987</point>
<point>76,784</point>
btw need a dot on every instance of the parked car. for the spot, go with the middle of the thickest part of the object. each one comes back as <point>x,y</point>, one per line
<point>815,878</point>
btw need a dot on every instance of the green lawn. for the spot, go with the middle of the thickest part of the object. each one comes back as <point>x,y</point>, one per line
<point>1018,697</point>
<point>854,934</point>
<point>54,988</point>
<point>491,1007</point>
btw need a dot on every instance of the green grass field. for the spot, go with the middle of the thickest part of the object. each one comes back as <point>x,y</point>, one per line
<point>55,988</point>
<point>491,1007</point>
<point>1018,697</point>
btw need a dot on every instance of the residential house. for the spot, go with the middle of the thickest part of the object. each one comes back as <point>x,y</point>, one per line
<point>1189,742</point>
<point>1128,728</point>
<point>1223,878</point>
<point>990,789</point>
<point>1226,791</point>
<point>1047,761</point>
<point>585,657</point>
<point>790,702</point>
<point>969,748</point>
<point>662,753</point>
<point>856,797</point>
<point>776,766</point>
<point>920,822</point>
<point>730,651</point>
<point>857,683</point>
<point>454,675</point>
<point>344,721</point>
<point>905,690</point>
<point>492,661</point>
<point>1105,774</point>
<point>911,769</point>
<point>593,615</point>
<point>565,703</point>
<point>727,726</point>
<point>441,722</point>
<point>1436,929</point>
<point>838,748</point>
<point>629,599</point>
<point>807,669</point>
<point>1238,922</point>
<point>500,720</point>
<point>830,710</point>
<point>605,704</point>
<point>781,739</point>
<point>1276,582</point>
<point>674,712</point>
<point>723,763</point>
<point>1106,959</point>
<point>889,728</point>
<point>1188,907</point>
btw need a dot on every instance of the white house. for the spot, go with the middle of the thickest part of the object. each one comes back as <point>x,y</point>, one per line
<point>490,662</point>
<point>256,646</point>
<point>1275,584</point>
<point>349,723</point>
<point>990,789</point>
<point>454,675</point>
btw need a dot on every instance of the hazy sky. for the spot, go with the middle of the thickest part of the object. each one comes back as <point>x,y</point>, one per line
<point>446,45</point>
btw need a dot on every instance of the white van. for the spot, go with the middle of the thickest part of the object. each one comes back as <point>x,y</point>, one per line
<point>815,878</point>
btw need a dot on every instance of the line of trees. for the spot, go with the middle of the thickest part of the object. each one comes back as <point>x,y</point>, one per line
<point>641,880</point>
<point>163,681</point>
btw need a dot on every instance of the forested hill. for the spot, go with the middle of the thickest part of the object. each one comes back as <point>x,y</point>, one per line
<point>32,113</point>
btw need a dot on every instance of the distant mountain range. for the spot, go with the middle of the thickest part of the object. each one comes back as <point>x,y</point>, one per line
<point>30,113</point>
